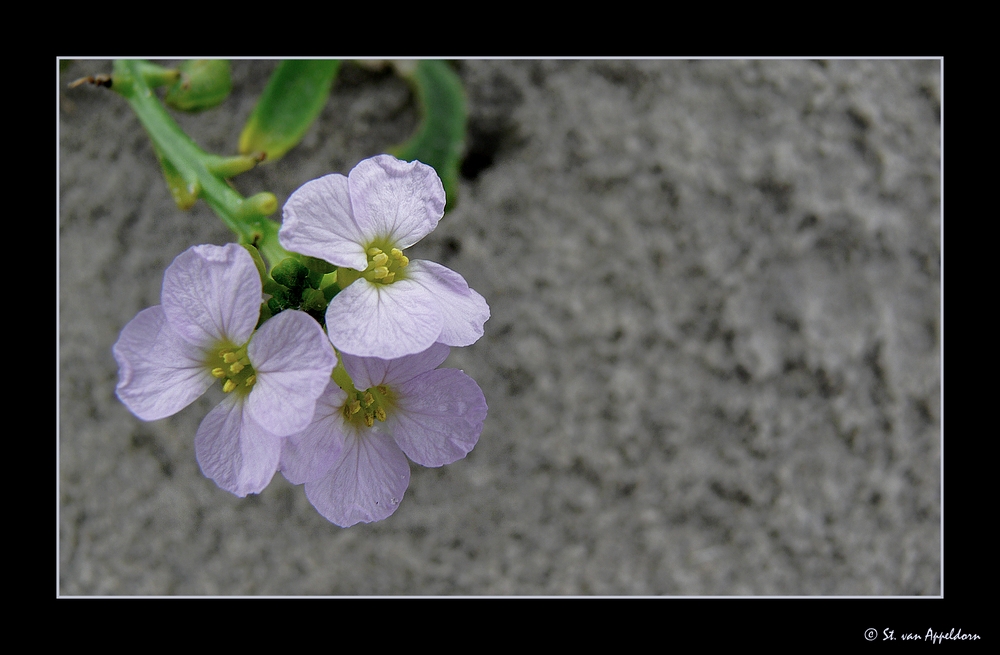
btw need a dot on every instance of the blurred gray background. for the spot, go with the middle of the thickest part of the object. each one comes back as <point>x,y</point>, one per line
<point>712,367</point>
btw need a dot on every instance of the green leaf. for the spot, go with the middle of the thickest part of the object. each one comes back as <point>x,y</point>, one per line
<point>293,99</point>
<point>440,138</point>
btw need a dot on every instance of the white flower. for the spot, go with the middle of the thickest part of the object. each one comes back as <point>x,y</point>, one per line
<point>389,306</point>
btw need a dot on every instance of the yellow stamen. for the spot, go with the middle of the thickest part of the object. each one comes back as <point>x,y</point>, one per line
<point>380,272</point>
<point>251,380</point>
<point>219,373</point>
<point>380,413</point>
<point>380,259</point>
<point>389,277</point>
<point>229,358</point>
<point>228,386</point>
<point>368,399</point>
<point>369,420</point>
<point>374,251</point>
<point>236,368</point>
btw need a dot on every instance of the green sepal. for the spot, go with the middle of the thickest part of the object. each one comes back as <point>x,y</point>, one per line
<point>440,137</point>
<point>346,276</point>
<point>318,265</point>
<point>292,100</point>
<point>203,84</point>
<point>265,313</point>
<point>259,263</point>
<point>330,290</point>
<point>318,269</point>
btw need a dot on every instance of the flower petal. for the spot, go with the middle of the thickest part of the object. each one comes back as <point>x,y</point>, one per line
<point>307,456</point>
<point>293,360</point>
<point>463,310</point>
<point>212,293</point>
<point>438,416</point>
<point>367,482</point>
<point>383,320</point>
<point>367,372</point>
<point>234,450</point>
<point>394,200</point>
<point>159,372</point>
<point>318,221</point>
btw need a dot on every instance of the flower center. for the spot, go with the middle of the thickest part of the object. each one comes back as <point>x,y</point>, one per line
<point>368,405</point>
<point>232,365</point>
<point>384,267</point>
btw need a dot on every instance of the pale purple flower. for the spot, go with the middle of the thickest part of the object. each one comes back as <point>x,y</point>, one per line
<point>389,306</point>
<point>351,457</point>
<point>203,332</point>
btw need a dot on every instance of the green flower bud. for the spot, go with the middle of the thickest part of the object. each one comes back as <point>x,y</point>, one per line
<point>290,273</point>
<point>203,84</point>
<point>313,300</point>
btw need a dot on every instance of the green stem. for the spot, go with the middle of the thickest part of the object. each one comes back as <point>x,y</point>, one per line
<point>185,161</point>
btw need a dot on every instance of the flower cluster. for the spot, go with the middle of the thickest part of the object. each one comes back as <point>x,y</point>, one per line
<point>334,397</point>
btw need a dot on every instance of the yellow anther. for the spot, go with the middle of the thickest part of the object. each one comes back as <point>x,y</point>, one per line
<point>380,259</point>
<point>251,380</point>
<point>389,277</point>
<point>218,372</point>
<point>380,414</point>
<point>380,272</point>
<point>403,261</point>
<point>229,358</point>
<point>228,386</point>
<point>382,389</point>
<point>368,399</point>
<point>369,420</point>
<point>396,253</point>
<point>236,368</point>
<point>354,406</point>
<point>374,251</point>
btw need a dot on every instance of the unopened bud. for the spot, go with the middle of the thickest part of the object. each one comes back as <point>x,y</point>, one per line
<point>203,84</point>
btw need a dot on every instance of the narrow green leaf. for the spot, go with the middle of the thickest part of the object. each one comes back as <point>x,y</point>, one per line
<point>440,138</point>
<point>293,99</point>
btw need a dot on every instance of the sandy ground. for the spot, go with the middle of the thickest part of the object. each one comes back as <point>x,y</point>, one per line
<point>712,367</point>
